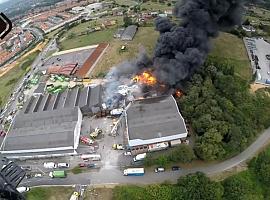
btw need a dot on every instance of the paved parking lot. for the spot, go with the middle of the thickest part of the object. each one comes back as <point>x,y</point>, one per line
<point>68,58</point>
<point>260,48</point>
<point>103,145</point>
<point>110,157</point>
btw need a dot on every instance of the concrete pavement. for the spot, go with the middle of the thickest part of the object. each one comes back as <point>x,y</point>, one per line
<point>113,174</point>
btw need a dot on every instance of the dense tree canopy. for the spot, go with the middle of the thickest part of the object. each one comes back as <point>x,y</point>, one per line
<point>224,114</point>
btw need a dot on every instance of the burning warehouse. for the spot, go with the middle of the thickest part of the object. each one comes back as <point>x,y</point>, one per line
<point>152,124</point>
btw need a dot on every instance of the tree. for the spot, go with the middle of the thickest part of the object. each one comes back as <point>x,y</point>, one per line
<point>198,186</point>
<point>239,188</point>
<point>169,4</point>
<point>127,21</point>
<point>246,22</point>
<point>182,153</point>
<point>209,146</point>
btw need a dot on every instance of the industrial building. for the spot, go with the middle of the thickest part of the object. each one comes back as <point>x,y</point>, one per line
<point>77,62</point>
<point>129,33</point>
<point>50,124</point>
<point>44,134</point>
<point>153,123</point>
<point>88,99</point>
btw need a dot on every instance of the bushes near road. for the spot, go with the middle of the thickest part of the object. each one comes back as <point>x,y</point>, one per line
<point>251,184</point>
<point>182,153</point>
<point>76,170</point>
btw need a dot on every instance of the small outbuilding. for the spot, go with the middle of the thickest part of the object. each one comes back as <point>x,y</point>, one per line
<point>129,33</point>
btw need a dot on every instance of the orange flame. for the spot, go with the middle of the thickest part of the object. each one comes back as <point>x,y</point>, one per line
<point>145,78</point>
<point>178,93</point>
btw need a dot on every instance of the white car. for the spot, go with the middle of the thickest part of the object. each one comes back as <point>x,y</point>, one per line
<point>22,189</point>
<point>127,153</point>
<point>63,165</point>
<point>49,165</point>
<point>159,169</point>
<point>38,175</point>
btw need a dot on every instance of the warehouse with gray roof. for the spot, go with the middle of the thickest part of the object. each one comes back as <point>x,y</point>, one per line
<point>50,124</point>
<point>153,121</point>
<point>129,33</point>
<point>88,99</point>
<point>44,134</point>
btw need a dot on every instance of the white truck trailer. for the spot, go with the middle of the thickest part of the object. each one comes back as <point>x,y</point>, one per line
<point>134,172</point>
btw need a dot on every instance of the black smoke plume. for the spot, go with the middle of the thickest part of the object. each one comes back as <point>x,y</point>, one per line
<point>182,48</point>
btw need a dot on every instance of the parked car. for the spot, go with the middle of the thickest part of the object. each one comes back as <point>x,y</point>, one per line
<point>22,189</point>
<point>82,164</point>
<point>26,168</point>
<point>38,175</point>
<point>91,165</point>
<point>175,168</point>
<point>127,153</point>
<point>49,165</point>
<point>159,169</point>
<point>2,133</point>
<point>63,165</point>
<point>118,147</point>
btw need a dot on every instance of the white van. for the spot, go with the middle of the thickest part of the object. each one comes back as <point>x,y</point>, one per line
<point>159,169</point>
<point>63,165</point>
<point>22,189</point>
<point>49,165</point>
<point>139,157</point>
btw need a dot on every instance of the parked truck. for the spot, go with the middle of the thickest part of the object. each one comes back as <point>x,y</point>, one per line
<point>139,157</point>
<point>58,174</point>
<point>93,157</point>
<point>158,146</point>
<point>134,172</point>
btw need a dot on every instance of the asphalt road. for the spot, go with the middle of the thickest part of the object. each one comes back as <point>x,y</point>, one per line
<point>113,174</point>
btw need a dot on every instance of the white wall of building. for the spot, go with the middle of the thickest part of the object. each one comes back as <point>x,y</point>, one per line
<point>77,130</point>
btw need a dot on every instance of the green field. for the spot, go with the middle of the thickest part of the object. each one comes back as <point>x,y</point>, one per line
<point>50,193</point>
<point>77,40</point>
<point>155,6</point>
<point>231,49</point>
<point>10,79</point>
<point>90,39</point>
<point>145,38</point>
<point>126,2</point>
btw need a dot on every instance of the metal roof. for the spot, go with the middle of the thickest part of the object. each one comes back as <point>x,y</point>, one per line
<point>41,130</point>
<point>86,97</point>
<point>154,118</point>
<point>129,33</point>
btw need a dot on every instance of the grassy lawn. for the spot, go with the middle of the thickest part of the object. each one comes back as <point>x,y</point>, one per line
<point>90,39</point>
<point>126,2</point>
<point>50,193</point>
<point>10,79</point>
<point>76,41</point>
<point>98,194</point>
<point>154,6</point>
<point>232,50</point>
<point>145,38</point>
